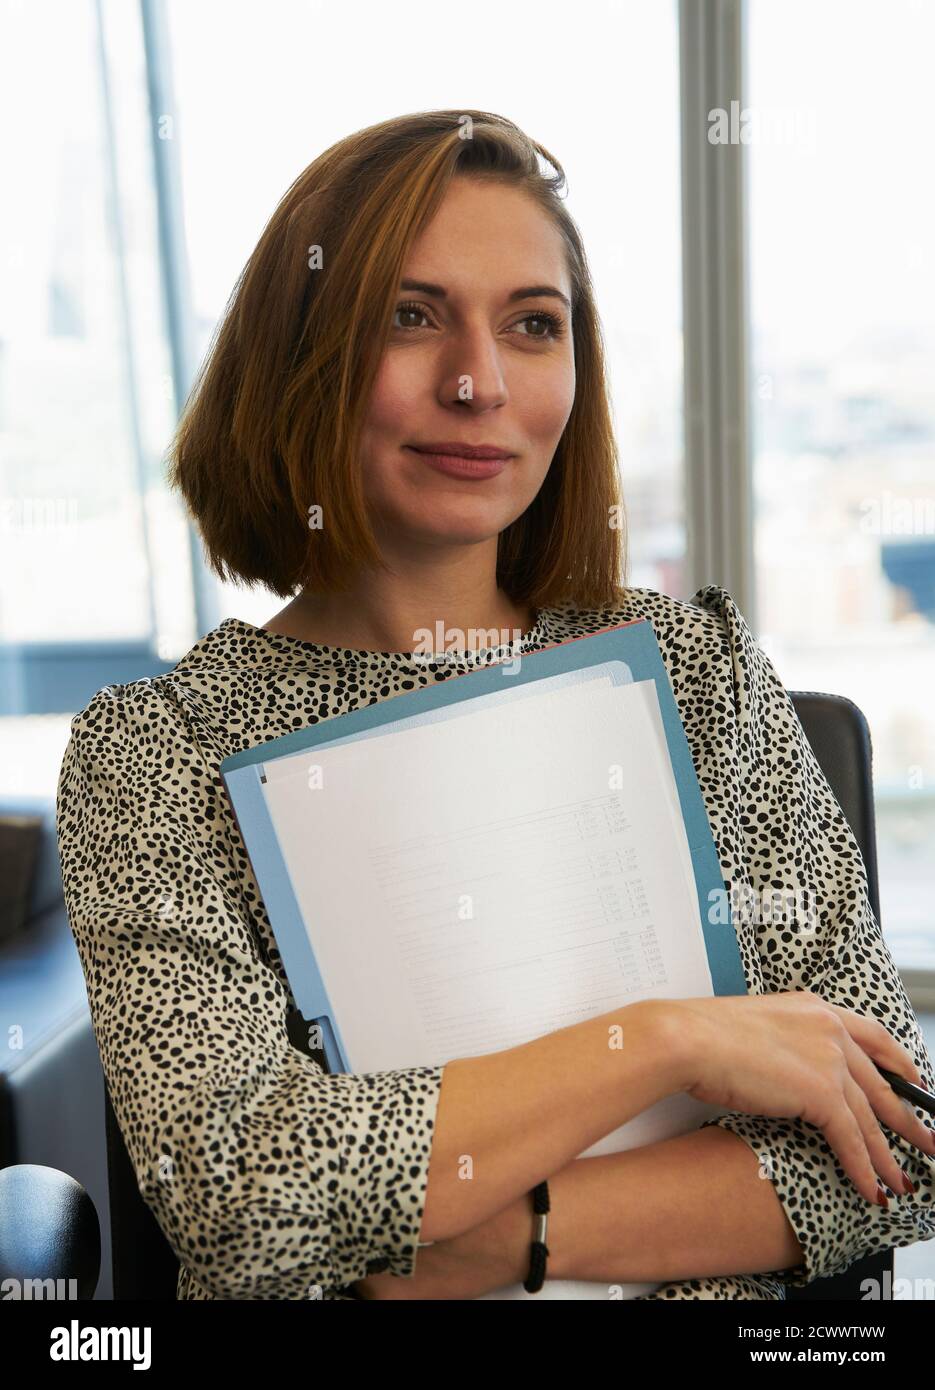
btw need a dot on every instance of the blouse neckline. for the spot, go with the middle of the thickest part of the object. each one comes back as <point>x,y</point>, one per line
<point>281,643</point>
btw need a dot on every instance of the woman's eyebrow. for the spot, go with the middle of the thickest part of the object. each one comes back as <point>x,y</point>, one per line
<point>527,292</point>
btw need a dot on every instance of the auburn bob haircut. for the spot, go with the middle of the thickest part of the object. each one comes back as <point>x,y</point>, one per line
<point>271,428</point>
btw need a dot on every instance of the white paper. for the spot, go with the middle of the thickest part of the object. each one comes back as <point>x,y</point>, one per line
<point>472,884</point>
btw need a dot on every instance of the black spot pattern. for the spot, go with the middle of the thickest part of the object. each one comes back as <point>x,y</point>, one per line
<point>273,1180</point>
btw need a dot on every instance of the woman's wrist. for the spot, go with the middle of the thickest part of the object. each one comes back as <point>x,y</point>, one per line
<point>499,1249</point>
<point>493,1255</point>
<point>654,1041</point>
<point>683,1036</point>
<point>685,1032</point>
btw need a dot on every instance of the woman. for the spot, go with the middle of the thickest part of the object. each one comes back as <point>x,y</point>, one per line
<point>420,289</point>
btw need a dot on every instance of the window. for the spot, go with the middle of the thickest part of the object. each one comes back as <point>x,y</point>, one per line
<point>842,225</point>
<point>94,560</point>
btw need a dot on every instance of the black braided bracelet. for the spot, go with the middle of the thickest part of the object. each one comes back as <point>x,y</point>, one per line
<point>539,1252</point>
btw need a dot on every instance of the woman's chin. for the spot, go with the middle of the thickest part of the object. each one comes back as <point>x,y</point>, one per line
<point>439,530</point>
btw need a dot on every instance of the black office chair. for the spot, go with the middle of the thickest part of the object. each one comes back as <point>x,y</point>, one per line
<point>144,1265</point>
<point>840,739</point>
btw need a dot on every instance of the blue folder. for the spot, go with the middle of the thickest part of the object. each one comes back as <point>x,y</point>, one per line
<point>626,653</point>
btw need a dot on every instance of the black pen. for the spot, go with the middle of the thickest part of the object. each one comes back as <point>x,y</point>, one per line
<point>914,1094</point>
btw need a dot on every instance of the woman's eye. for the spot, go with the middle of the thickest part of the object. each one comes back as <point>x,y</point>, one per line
<point>554,326</point>
<point>415,310</point>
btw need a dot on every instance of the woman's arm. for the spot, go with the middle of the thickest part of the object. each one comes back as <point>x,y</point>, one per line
<point>509,1119</point>
<point>783,829</point>
<point>259,1168</point>
<point>790,832</point>
<point>689,1207</point>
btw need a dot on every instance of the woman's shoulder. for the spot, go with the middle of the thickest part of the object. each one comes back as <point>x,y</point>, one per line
<point>711,612</point>
<point>137,701</point>
<point>132,734</point>
<point>153,709</point>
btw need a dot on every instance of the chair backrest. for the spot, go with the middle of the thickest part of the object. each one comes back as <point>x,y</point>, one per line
<point>840,739</point>
<point>144,1264</point>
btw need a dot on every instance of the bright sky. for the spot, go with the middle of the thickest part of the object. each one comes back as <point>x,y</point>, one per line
<point>843,234</point>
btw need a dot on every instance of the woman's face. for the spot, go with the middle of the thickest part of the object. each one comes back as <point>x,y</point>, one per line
<point>469,364</point>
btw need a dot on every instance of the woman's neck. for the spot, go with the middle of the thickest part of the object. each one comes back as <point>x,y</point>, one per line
<point>398,623</point>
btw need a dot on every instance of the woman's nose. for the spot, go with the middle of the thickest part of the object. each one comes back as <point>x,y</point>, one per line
<point>473,370</point>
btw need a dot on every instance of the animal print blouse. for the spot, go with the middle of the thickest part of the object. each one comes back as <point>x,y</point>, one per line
<point>274,1180</point>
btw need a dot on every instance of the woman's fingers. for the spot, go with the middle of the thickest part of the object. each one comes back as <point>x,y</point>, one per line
<point>879,1155</point>
<point>867,1042</point>
<point>846,1137</point>
<point>859,1143</point>
<point>852,1109</point>
<point>890,1108</point>
<point>879,1044</point>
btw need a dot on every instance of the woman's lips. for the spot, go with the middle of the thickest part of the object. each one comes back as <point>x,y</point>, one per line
<point>458,467</point>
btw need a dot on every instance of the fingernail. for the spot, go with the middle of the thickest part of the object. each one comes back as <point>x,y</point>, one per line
<point>908,1185</point>
<point>882,1197</point>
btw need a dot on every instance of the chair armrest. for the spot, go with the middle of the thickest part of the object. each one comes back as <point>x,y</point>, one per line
<point>49,1234</point>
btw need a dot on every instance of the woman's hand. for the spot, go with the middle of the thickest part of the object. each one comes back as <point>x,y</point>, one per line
<point>794,1055</point>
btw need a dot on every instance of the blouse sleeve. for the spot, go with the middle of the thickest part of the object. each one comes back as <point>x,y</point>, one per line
<point>270,1178</point>
<point>794,834</point>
